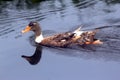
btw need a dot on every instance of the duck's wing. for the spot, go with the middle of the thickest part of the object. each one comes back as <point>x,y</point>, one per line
<point>67,39</point>
<point>58,40</point>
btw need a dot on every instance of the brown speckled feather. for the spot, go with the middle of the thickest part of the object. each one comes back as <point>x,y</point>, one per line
<point>58,40</point>
<point>67,39</point>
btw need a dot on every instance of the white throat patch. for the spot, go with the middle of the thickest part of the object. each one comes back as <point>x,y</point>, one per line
<point>38,39</point>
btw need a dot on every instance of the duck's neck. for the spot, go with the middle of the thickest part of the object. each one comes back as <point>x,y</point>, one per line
<point>38,36</point>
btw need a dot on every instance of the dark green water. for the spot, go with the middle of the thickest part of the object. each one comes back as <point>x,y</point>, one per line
<point>92,63</point>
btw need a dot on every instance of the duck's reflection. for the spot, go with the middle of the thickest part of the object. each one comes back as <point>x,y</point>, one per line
<point>35,58</point>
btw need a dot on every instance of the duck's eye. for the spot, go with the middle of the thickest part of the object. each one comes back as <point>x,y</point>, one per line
<point>32,24</point>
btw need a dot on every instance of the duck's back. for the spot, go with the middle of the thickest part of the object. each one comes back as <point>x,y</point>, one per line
<point>58,40</point>
<point>67,39</point>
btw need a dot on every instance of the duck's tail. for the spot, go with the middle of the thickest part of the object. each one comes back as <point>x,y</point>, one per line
<point>78,31</point>
<point>93,40</point>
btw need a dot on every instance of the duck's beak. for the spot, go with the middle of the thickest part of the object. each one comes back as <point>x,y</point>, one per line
<point>27,29</point>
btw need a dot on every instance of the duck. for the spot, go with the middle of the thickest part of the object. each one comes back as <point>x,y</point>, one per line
<point>65,39</point>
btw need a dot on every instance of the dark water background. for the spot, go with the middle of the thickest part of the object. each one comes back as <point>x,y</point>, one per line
<point>100,62</point>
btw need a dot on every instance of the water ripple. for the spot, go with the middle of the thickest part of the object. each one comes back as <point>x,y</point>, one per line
<point>85,4</point>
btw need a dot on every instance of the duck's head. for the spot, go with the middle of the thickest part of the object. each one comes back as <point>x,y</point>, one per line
<point>35,27</point>
<point>32,26</point>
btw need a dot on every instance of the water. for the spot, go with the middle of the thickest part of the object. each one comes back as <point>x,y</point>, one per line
<point>91,63</point>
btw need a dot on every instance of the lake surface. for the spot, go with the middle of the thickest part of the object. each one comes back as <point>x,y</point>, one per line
<point>101,62</point>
